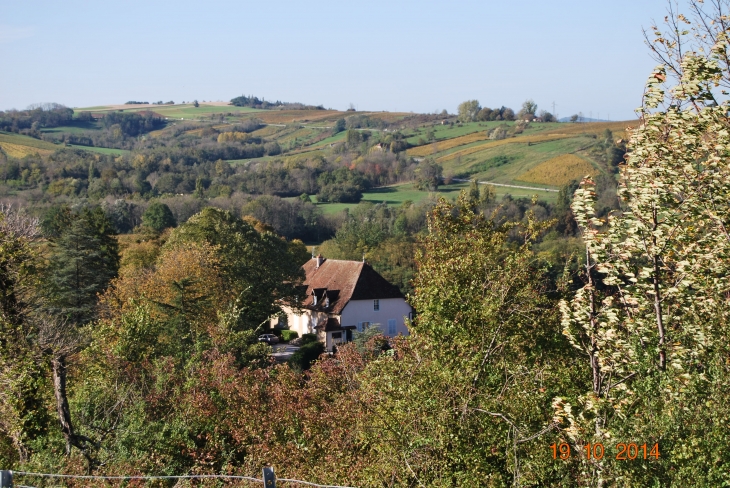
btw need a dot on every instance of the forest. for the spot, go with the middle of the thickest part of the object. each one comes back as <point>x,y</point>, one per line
<point>575,339</point>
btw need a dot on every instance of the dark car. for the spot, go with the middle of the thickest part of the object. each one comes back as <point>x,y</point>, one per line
<point>269,338</point>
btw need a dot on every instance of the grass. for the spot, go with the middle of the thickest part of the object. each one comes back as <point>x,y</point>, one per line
<point>75,127</point>
<point>439,146</point>
<point>507,162</point>
<point>559,171</point>
<point>442,132</point>
<point>101,150</point>
<point>529,139</point>
<point>596,128</point>
<point>331,139</point>
<point>19,146</point>
<point>267,131</point>
<point>183,110</point>
<point>19,151</point>
<point>395,195</point>
<point>301,116</point>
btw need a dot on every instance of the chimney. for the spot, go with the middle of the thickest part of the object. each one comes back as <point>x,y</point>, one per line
<point>320,260</point>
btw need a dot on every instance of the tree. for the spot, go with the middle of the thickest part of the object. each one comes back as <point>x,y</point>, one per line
<point>652,317</point>
<point>461,401</point>
<point>574,118</point>
<point>83,261</point>
<point>546,116</point>
<point>468,110</point>
<point>257,267</point>
<point>339,126</point>
<point>24,415</point>
<point>196,104</point>
<point>158,217</point>
<point>528,110</point>
<point>429,175</point>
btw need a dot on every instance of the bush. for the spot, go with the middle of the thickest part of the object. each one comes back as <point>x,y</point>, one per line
<point>287,335</point>
<point>340,193</point>
<point>302,359</point>
<point>309,338</point>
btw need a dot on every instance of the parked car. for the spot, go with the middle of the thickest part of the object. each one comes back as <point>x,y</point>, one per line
<point>269,338</point>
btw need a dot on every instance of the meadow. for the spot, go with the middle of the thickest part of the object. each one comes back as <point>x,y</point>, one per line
<point>182,110</point>
<point>396,195</point>
<point>19,146</point>
<point>559,171</point>
<point>101,150</point>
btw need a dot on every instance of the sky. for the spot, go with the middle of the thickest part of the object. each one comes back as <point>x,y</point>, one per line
<point>409,56</point>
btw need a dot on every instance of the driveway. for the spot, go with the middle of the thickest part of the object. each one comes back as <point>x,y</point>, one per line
<point>282,352</point>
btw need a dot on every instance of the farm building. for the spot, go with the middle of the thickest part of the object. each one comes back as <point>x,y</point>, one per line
<point>342,297</point>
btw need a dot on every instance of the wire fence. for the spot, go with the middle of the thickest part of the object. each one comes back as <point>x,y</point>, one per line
<point>269,478</point>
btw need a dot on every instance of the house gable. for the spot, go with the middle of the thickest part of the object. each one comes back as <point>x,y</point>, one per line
<point>335,282</point>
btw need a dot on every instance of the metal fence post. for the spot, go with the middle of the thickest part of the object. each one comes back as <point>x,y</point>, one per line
<point>269,477</point>
<point>6,479</point>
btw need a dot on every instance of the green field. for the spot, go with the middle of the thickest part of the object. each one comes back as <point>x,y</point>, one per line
<point>101,150</point>
<point>178,111</point>
<point>76,127</point>
<point>444,132</point>
<point>395,195</point>
<point>20,146</point>
<point>521,157</point>
<point>16,145</point>
<point>330,140</point>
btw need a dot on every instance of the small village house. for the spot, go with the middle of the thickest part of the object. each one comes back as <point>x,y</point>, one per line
<point>343,297</point>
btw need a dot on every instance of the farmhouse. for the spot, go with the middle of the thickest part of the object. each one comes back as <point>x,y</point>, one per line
<point>342,297</point>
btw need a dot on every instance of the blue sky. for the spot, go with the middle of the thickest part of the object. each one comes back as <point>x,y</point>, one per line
<point>393,55</point>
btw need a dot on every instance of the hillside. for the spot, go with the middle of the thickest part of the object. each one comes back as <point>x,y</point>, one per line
<point>336,158</point>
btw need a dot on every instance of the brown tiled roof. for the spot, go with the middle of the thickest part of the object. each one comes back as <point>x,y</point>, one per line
<point>344,281</point>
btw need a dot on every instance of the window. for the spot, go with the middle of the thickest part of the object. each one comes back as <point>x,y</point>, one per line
<point>391,327</point>
<point>361,326</point>
<point>337,335</point>
<point>376,305</point>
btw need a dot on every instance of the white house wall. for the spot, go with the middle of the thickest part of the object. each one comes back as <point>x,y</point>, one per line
<point>390,308</point>
<point>303,322</point>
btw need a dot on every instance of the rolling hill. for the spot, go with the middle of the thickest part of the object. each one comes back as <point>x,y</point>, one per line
<point>538,157</point>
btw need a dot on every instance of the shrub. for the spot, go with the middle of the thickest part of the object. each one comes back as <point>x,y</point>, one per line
<point>309,338</point>
<point>302,359</point>
<point>287,335</point>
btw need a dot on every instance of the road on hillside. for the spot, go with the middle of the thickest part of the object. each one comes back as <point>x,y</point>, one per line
<point>508,186</point>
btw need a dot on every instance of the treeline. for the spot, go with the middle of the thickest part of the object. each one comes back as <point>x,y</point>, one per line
<point>255,102</point>
<point>119,130</point>
<point>202,167</point>
<point>35,117</point>
<point>471,111</point>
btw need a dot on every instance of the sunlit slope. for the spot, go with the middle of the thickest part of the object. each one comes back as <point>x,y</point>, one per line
<point>543,154</point>
<point>19,146</point>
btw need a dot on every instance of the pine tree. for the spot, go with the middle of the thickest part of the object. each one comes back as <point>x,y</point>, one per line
<point>84,260</point>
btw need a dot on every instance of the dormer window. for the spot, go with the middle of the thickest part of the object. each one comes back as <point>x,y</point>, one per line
<point>376,305</point>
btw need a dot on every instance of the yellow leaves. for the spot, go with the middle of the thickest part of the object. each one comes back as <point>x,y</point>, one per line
<point>233,136</point>
<point>183,279</point>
